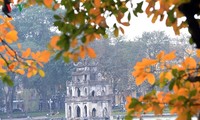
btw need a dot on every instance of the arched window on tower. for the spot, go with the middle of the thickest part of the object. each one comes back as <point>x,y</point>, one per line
<point>94,112</point>
<point>70,92</point>
<point>85,109</point>
<point>93,93</point>
<point>78,92</point>
<point>70,111</point>
<point>85,91</point>
<point>78,112</point>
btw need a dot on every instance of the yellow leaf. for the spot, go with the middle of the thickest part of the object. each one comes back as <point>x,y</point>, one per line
<point>168,75</point>
<point>91,53</point>
<point>151,78</point>
<point>11,36</point>
<point>41,72</point>
<point>20,71</point>
<point>116,32</point>
<point>26,53</point>
<point>2,70</point>
<point>48,3</point>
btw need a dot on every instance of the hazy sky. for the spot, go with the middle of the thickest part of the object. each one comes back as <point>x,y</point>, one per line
<point>141,24</point>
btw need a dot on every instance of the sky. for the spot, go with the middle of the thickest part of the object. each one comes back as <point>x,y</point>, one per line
<point>142,23</point>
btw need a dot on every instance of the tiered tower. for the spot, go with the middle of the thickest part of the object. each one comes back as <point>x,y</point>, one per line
<point>89,95</point>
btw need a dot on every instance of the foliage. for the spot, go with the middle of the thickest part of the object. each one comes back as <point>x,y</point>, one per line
<point>85,21</point>
<point>182,81</point>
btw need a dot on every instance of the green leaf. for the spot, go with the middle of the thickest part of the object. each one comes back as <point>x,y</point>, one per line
<point>6,79</point>
<point>193,93</point>
<point>171,85</point>
<point>66,59</point>
<point>191,41</point>
<point>138,9</point>
<point>151,93</point>
<point>128,117</point>
<point>171,15</point>
<point>57,17</point>
<point>175,72</point>
<point>20,7</point>
<point>58,55</point>
<point>182,98</point>
<point>64,42</point>
<point>129,16</point>
<point>134,102</point>
<point>83,39</point>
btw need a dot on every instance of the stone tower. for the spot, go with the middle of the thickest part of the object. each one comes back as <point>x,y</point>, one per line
<point>89,95</point>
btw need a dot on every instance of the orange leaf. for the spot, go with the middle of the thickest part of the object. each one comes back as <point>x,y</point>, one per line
<point>82,52</point>
<point>169,56</point>
<point>2,48</point>
<point>44,56</point>
<point>11,36</point>
<point>189,63</point>
<point>2,62</point>
<point>151,78</point>
<point>48,3</point>
<point>53,42</point>
<point>198,53</point>
<point>20,71</point>
<point>121,29</point>
<point>91,52</point>
<point>19,46</point>
<point>97,36</point>
<point>99,19</point>
<point>74,43</point>
<point>56,6</point>
<point>125,23</point>
<point>97,3</point>
<point>139,80</point>
<point>26,53</point>
<point>160,55</point>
